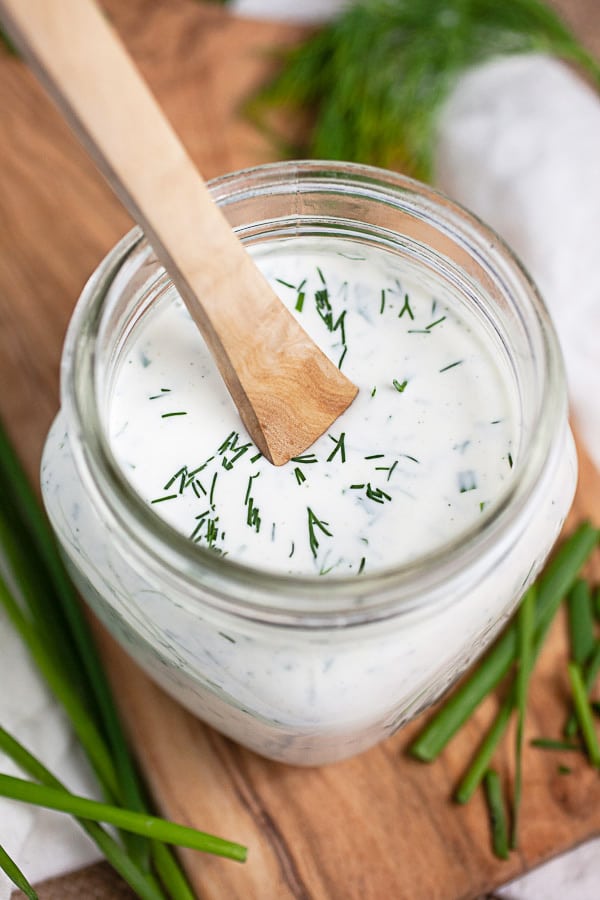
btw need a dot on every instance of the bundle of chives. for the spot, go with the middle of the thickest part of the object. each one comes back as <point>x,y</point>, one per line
<point>48,617</point>
<point>521,644</point>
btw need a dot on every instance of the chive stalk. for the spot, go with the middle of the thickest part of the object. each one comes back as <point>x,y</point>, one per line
<point>128,820</point>
<point>482,759</point>
<point>11,869</point>
<point>584,713</point>
<point>497,813</point>
<point>581,622</point>
<point>525,630</point>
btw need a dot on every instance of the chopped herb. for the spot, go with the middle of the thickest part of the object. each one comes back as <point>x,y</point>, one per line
<point>458,362</point>
<point>584,713</point>
<point>321,276</point>
<point>375,456</point>
<point>163,391</point>
<point>249,488</point>
<point>341,359</point>
<point>227,638</point>
<point>315,522</point>
<point>412,458</point>
<point>356,487</point>
<point>300,301</point>
<point>173,479</point>
<point>229,442</point>
<point>418,331</point>
<point>256,457</point>
<point>161,499</point>
<point>437,322</point>
<point>376,494</point>
<point>400,386</point>
<point>306,458</point>
<point>361,566</point>
<point>510,460</point>
<point>285,283</point>
<point>391,469</point>
<point>211,498</point>
<point>406,308</point>
<point>339,447</point>
<point>300,476</point>
<point>382,304</point>
<point>171,414</point>
<point>374,391</point>
<point>292,550</point>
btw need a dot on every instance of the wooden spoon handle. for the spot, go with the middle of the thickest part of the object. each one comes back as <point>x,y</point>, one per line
<point>263,354</point>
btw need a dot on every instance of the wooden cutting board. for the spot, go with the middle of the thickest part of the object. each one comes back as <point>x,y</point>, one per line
<point>380,826</point>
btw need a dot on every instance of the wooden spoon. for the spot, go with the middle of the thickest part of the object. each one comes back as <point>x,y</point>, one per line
<point>287,391</point>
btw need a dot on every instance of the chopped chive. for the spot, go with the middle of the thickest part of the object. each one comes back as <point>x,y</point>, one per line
<point>525,633</point>
<point>437,322</point>
<point>211,496</point>
<point>412,458</point>
<point>458,362</point>
<point>493,794</point>
<point>361,566</point>
<point>249,488</point>
<point>161,499</point>
<point>584,713</point>
<point>174,478</point>
<point>300,476</point>
<point>376,494</point>
<point>382,304</point>
<point>400,386</point>
<point>406,308</point>
<point>357,487</point>
<point>391,469</point>
<point>300,301</point>
<point>285,283</point>
<point>292,551</point>
<point>418,331</point>
<point>340,447</point>
<point>171,414</point>
<point>591,672</point>
<point>306,458</point>
<point>374,391</point>
<point>341,359</point>
<point>228,442</point>
<point>321,276</point>
<point>255,458</point>
<point>198,486</point>
<point>315,522</point>
<point>375,456</point>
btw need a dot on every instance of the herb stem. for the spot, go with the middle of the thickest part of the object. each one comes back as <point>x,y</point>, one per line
<point>138,823</point>
<point>581,622</point>
<point>497,813</point>
<point>584,714</point>
<point>525,632</point>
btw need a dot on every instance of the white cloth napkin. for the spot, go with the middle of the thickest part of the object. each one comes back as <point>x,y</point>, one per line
<point>520,145</point>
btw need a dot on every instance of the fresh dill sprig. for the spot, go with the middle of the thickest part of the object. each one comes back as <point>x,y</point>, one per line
<point>386,113</point>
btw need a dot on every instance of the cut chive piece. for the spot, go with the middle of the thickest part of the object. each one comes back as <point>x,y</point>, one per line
<point>400,385</point>
<point>497,813</point>
<point>382,304</point>
<point>482,759</point>
<point>339,447</point>
<point>525,632</point>
<point>138,823</point>
<point>171,414</point>
<point>458,362</point>
<point>437,322</point>
<point>406,308</point>
<point>584,713</point>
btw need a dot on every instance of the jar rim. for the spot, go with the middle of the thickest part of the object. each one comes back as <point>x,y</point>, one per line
<point>310,600</point>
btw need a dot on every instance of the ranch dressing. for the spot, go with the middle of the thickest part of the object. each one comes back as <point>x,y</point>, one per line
<point>424,452</point>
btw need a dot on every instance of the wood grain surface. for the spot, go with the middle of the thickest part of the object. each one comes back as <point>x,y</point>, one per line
<point>376,827</point>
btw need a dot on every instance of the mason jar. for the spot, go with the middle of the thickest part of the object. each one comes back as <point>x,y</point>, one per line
<point>306,669</point>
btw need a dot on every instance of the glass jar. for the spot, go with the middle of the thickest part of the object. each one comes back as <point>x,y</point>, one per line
<point>301,669</point>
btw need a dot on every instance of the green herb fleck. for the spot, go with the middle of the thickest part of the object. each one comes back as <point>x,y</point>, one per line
<point>300,476</point>
<point>339,447</point>
<point>453,365</point>
<point>315,522</point>
<point>400,385</point>
<point>171,414</point>
<point>406,308</point>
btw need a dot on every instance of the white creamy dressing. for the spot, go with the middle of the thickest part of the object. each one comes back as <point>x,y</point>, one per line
<point>422,453</point>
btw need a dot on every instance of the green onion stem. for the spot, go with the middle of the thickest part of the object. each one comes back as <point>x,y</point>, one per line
<point>552,586</point>
<point>525,630</point>
<point>584,713</point>
<point>581,622</point>
<point>552,744</point>
<point>170,872</point>
<point>140,881</point>
<point>128,820</point>
<point>493,793</point>
<point>9,866</point>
